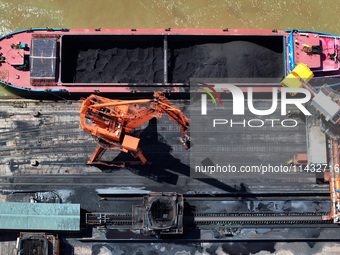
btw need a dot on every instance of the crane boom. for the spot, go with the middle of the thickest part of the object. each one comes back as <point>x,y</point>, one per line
<point>163,105</point>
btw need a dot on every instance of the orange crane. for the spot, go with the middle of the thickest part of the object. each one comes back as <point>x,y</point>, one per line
<point>111,122</point>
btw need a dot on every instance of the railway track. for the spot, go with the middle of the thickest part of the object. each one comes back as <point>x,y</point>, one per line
<point>261,219</point>
<point>242,220</point>
<point>297,227</point>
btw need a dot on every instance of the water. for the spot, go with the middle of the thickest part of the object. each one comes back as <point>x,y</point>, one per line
<point>318,15</point>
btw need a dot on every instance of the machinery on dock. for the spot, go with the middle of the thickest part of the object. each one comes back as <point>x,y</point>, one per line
<point>326,102</point>
<point>159,213</point>
<point>299,159</point>
<point>112,121</point>
<point>31,243</point>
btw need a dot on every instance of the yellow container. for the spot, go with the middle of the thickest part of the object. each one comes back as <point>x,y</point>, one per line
<point>291,82</point>
<point>302,71</point>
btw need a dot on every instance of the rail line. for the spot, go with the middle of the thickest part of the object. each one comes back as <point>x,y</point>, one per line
<point>262,219</point>
<point>224,227</point>
<point>125,221</point>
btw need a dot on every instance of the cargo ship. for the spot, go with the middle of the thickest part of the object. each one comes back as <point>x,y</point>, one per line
<point>73,63</point>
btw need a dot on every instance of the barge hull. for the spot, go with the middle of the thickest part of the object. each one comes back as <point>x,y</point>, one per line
<point>79,62</point>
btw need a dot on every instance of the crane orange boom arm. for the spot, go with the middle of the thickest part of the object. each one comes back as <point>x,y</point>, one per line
<point>141,101</point>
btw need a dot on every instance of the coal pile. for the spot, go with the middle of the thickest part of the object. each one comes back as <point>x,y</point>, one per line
<point>235,59</point>
<point>140,59</point>
<point>119,65</point>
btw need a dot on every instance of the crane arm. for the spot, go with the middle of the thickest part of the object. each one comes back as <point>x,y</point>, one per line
<point>129,102</point>
<point>159,106</point>
<point>163,105</point>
